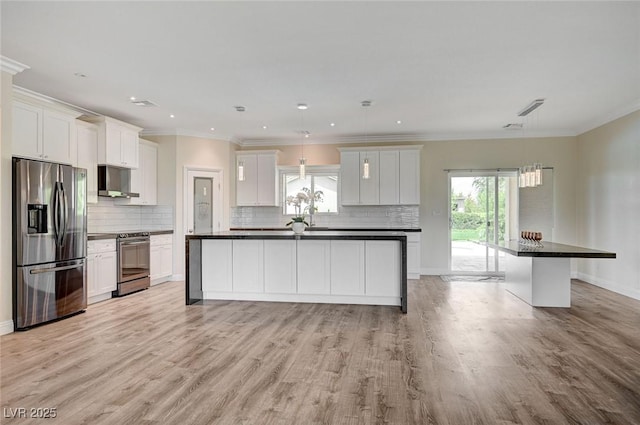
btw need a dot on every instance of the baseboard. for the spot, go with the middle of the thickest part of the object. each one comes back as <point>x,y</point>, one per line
<point>434,272</point>
<point>6,327</point>
<point>177,277</point>
<point>98,298</point>
<point>609,285</point>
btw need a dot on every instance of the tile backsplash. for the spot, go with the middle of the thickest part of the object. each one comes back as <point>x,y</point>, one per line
<point>106,217</point>
<point>404,216</point>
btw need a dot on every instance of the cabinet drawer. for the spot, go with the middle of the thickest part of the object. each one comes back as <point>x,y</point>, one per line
<point>106,245</point>
<point>157,240</point>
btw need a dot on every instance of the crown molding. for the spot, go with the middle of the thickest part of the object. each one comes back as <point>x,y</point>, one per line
<point>31,95</point>
<point>184,133</point>
<point>607,118</point>
<point>12,67</point>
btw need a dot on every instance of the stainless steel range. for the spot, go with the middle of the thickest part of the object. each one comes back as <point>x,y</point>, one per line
<point>133,262</point>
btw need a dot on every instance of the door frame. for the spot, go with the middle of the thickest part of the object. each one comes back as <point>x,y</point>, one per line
<point>218,198</point>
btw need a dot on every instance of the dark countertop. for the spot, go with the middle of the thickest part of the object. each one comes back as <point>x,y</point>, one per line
<point>330,229</point>
<point>288,234</point>
<point>98,236</point>
<point>551,249</point>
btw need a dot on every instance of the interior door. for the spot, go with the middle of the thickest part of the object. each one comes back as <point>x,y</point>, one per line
<point>203,201</point>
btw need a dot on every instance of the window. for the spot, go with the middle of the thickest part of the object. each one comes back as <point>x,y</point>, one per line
<point>321,181</point>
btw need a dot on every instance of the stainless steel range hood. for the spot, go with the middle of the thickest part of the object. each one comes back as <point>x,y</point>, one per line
<point>115,182</point>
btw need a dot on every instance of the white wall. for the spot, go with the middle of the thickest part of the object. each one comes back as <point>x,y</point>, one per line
<point>608,205</point>
<point>6,296</point>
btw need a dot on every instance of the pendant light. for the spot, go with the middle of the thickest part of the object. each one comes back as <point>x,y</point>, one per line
<point>303,162</point>
<point>530,175</point>
<point>365,164</point>
<point>240,170</point>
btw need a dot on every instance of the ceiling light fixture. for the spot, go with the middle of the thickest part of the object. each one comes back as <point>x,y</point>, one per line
<point>366,174</point>
<point>332,124</point>
<point>172,116</point>
<point>240,171</point>
<point>398,122</point>
<point>530,175</point>
<point>302,164</point>
<point>303,106</point>
<point>531,107</point>
<point>132,98</point>
<point>213,129</point>
<point>264,127</point>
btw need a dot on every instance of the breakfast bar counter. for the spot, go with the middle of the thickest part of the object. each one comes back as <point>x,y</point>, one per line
<point>541,275</point>
<point>342,267</point>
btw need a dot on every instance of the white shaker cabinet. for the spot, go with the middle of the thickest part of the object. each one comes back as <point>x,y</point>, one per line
<point>350,178</point>
<point>87,136</point>
<point>217,265</point>
<point>144,179</point>
<point>161,261</point>
<point>347,267</point>
<point>413,255</point>
<point>382,268</point>
<point>409,177</point>
<point>43,133</point>
<point>389,177</point>
<point>257,184</point>
<point>248,266</point>
<point>101,269</point>
<point>117,142</point>
<point>279,267</point>
<point>314,267</point>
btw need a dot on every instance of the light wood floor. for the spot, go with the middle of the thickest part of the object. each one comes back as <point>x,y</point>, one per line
<point>467,353</point>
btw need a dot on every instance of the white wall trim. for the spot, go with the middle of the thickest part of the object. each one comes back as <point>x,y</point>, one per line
<point>11,66</point>
<point>609,285</point>
<point>6,327</point>
<point>177,277</point>
<point>427,271</point>
<point>185,197</point>
<point>607,118</point>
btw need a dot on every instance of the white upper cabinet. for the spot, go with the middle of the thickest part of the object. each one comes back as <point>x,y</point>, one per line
<point>257,183</point>
<point>144,179</point>
<point>87,136</point>
<point>393,176</point>
<point>43,131</point>
<point>117,142</point>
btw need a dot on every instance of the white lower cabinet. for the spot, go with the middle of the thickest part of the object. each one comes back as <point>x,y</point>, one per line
<point>314,267</point>
<point>280,267</point>
<point>413,255</point>
<point>382,268</point>
<point>101,269</point>
<point>248,266</point>
<point>217,265</point>
<point>347,267</point>
<point>161,267</point>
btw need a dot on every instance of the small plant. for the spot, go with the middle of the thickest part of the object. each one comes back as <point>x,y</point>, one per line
<point>303,197</point>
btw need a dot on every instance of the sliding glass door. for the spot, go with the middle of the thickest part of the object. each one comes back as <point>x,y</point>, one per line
<point>483,211</point>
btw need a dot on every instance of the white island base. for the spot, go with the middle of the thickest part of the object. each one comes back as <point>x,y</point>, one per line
<point>539,281</point>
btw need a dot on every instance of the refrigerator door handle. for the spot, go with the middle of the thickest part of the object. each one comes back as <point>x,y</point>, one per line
<point>56,269</point>
<point>56,214</point>
<point>65,214</point>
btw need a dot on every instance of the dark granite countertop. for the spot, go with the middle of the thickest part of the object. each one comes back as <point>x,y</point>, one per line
<point>330,229</point>
<point>288,234</point>
<point>551,249</point>
<point>113,235</point>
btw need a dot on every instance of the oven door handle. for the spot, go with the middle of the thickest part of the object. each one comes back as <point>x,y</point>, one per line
<point>134,243</point>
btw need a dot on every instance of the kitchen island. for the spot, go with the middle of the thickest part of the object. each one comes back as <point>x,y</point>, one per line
<point>341,267</point>
<point>541,275</point>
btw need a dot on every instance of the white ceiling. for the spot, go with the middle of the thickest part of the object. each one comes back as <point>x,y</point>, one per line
<point>445,69</point>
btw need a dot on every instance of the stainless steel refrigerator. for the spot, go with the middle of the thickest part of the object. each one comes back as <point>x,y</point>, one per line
<point>49,242</point>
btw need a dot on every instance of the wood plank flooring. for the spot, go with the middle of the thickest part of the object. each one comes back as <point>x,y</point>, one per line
<point>467,353</point>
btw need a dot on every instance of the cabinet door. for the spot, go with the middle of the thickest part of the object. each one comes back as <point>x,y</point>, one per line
<point>217,263</point>
<point>113,150</point>
<point>410,177</point>
<point>155,262</point>
<point>370,188</point>
<point>166,263</point>
<point>106,272</point>
<point>92,284</point>
<point>347,267</point>
<point>314,267</point>
<point>87,137</point>
<point>129,147</point>
<point>27,130</point>
<point>58,130</point>
<point>247,189</point>
<point>267,183</point>
<point>150,179</point>
<point>350,178</point>
<point>280,267</point>
<point>248,266</point>
<point>389,177</point>
<point>382,268</point>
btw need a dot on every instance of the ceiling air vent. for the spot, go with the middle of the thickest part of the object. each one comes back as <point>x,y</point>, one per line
<point>144,103</point>
<point>513,126</point>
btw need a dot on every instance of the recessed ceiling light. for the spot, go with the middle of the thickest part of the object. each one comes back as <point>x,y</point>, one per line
<point>332,124</point>
<point>132,98</point>
<point>213,129</point>
<point>303,106</point>
<point>172,116</point>
<point>398,122</point>
<point>264,127</point>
